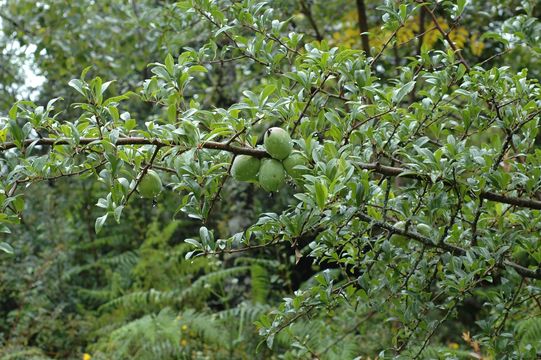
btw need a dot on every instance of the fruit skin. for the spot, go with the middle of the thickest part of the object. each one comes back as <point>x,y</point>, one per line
<point>271,174</point>
<point>151,184</point>
<point>296,158</point>
<point>278,143</point>
<point>245,168</point>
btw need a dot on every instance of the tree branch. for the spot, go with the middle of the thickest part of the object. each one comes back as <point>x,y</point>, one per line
<point>375,59</point>
<point>446,36</point>
<point>260,153</point>
<point>143,173</point>
<point>310,98</point>
<point>453,249</point>
<point>363,26</point>
<point>16,24</point>
<point>488,195</point>
<point>421,33</point>
<point>308,13</point>
<point>137,141</point>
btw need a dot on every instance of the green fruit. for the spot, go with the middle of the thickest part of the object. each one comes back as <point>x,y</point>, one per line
<point>291,162</point>
<point>278,143</point>
<point>245,168</point>
<point>151,185</point>
<point>271,174</point>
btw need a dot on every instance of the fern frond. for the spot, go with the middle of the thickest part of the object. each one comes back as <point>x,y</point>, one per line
<point>114,241</point>
<point>149,337</point>
<point>440,352</point>
<point>247,311</point>
<point>200,288</point>
<point>122,262</point>
<point>22,353</point>
<point>260,283</point>
<point>95,295</point>
<point>141,299</point>
<point>268,263</point>
<point>202,284</point>
<point>529,334</point>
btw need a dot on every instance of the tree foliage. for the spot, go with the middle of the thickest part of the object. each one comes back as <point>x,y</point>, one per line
<point>410,227</point>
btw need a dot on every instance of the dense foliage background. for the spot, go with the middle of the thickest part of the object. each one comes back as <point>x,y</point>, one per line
<point>414,232</point>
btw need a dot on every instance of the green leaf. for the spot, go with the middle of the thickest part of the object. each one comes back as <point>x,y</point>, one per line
<point>321,194</point>
<point>172,113</point>
<point>113,111</point>
<point>204,235</point>
<point>85,71</point>
<point>78,85</point>
<point>267,91</point>
<point>170,64</point>
<point>13,111</point>
<point>193,242</point>
<point>116,99</point>
<point>403,91</point>
<point>16,132</point>
<point>18,203</point>
<point>5,247</point>
<point>197,68</point>
<point>118,212</point>
<point>99,223</point>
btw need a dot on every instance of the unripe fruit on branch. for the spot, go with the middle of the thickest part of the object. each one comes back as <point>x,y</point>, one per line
<point>151,185</point>
<point>271,174</point>
<point>245,168</point>
<point>296,158</point>
<point>278,143</point>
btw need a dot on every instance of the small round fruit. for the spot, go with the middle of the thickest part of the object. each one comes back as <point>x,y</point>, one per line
<point>278,143</point>
<point>296,158</point>
<point>245,168</point>
<point>151,184</point>
<point>271,174</point>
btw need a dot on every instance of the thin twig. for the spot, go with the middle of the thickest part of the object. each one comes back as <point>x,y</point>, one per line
<point>307,10</point>
<point>494,56</point>
<point>142,174</point>
<point>259,153</point>
<point>453,249</point>
<point>222,183</point>
<point>347,333</point>
<point>445,35</point>
<point>312,95</point>
<point>508,308</point>
<point>375,59</point>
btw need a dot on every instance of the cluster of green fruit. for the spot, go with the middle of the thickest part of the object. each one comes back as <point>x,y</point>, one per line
<point>270,173</point>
